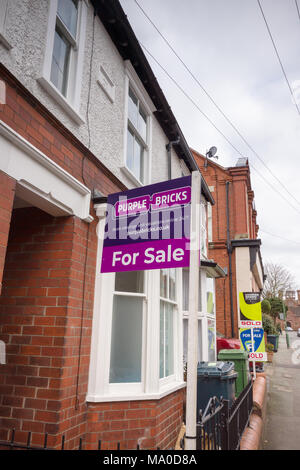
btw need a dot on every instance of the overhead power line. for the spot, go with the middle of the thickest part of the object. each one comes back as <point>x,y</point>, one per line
<point>214,102</point>
<point>215,127</point>
<point>278,56</point>
<point>278,236</point>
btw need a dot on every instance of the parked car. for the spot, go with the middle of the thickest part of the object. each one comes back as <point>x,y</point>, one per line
<point>298,332</point>
<point>288,328</point>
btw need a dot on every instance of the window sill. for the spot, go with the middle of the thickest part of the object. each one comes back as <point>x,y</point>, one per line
<point>131,176</point>
<point>164,391</point>
<point>61,100</point>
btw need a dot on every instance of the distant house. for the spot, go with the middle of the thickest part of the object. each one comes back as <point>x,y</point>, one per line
<point>232,237</point>
<point>292,300</point>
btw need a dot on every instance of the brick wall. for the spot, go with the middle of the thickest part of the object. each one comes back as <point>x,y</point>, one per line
<point>45,321</point>
<point>7,193</point>
<point>149,424</point>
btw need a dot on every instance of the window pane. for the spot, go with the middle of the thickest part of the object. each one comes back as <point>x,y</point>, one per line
<point>210,295</point>
<point>185,340</point>
<point>185,288</point>
<point>60,62</point>
<point>162,342</point>
<point>133,108</point>
<point>166,340</point>
<point>67,11</point>
<point>164,283</point>
<point>143,124</point>
<point>138,169</point>
<point>132,281</point>
<point>169,341</point>
<point>126,340</point>
<point>172,281</point>
<point>130,150</point>
<point>211,341</point>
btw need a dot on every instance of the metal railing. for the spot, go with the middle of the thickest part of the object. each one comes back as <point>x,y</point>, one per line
<point>12,444</point>
<point>221,427</point>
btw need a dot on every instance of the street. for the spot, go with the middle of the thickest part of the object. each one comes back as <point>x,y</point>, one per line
<point>282,425</point>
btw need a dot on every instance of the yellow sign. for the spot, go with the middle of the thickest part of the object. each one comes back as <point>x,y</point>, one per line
<point>250,310</point>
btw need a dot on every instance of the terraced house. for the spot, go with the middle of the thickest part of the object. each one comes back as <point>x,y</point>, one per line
<point>82,116</point>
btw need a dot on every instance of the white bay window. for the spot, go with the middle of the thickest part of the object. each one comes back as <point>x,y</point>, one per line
<point>206,315</point>
<point>136,350</point>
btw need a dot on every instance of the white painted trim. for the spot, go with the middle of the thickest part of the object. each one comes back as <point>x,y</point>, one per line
<point>106,84</point>
<point>71,103</point>
<point>138,88</point>
<point>131,176</point>
<point>61,100</point>
<point>171,388</point>
<point>133,81</point>
<point>40,176</point>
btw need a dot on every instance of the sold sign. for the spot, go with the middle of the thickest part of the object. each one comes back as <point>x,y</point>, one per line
<point>250,310</point>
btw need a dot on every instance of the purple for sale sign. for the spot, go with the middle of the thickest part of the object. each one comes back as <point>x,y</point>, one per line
<point>148,227</point>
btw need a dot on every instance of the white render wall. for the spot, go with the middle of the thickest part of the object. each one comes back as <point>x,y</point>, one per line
<point>26,30</point>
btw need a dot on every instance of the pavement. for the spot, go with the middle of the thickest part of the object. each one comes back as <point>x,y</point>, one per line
<point>282,423</point>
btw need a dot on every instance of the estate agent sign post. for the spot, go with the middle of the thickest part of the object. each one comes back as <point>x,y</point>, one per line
<point>251,331</point>
<point>155,227</point>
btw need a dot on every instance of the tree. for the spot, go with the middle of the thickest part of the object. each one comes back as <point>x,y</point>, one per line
<point>277,306</point>
<point>268,324</point>
<point>279,279</point>
<point>265,306</point>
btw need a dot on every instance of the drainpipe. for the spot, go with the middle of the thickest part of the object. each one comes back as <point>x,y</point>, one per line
<point>168,147</point>
<point>229,251</point>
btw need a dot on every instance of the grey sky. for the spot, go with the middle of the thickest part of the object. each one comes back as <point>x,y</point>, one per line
<point>226,45</point>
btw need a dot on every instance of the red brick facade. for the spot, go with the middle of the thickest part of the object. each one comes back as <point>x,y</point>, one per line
<point>7,188</point>
<point>150,424</point>
<point>48,265</point>
<point>293,313</point>
<point>242,224</point>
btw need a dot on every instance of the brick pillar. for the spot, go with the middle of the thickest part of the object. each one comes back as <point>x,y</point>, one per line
<point>7,193</point>
<point>45,322</point>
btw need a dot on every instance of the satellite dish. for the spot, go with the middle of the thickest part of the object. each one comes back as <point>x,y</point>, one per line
<point>212,152</point>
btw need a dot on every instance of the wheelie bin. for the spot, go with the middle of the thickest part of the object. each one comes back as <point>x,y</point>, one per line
<point>215,379</point>
<point>241,366</point>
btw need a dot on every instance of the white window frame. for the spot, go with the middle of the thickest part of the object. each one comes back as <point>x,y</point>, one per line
<point>132,81</point>
<point>71,102</point>
<point>4,5</point>
<point>164,381</point>
<point>203,316</point>
<point>151,387</point>
<point>203,227</point>
<point>209,223</point>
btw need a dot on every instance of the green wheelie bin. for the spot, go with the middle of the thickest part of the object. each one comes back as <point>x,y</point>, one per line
<point>241,366</point>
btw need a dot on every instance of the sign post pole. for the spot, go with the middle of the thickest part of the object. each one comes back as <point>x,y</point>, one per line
<point>192,358</point>
<point>252,350</point>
